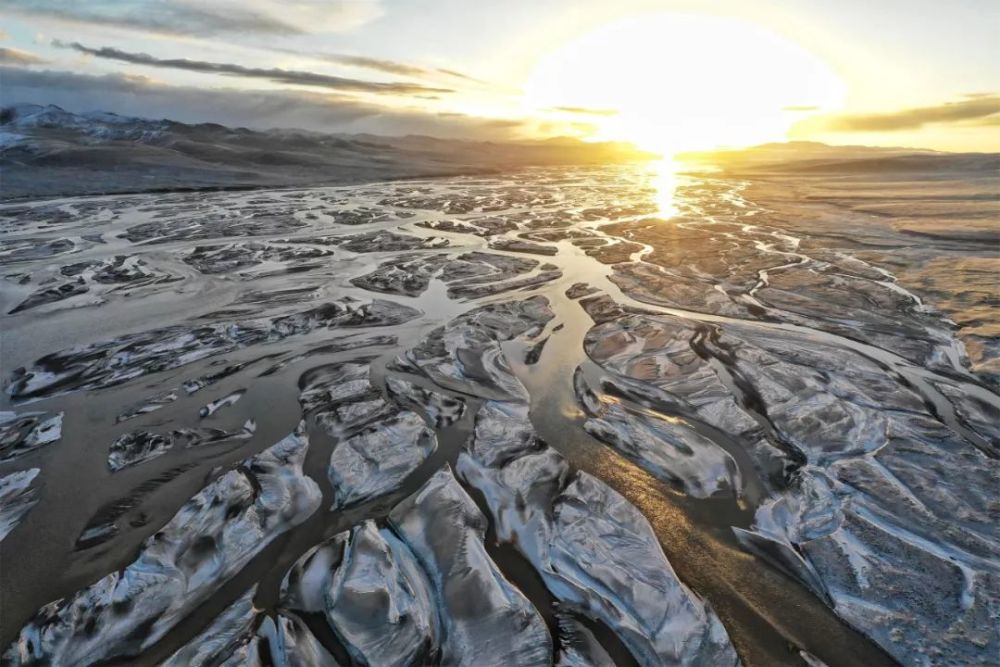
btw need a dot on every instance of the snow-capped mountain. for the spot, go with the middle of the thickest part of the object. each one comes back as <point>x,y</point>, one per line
<point>20,119</point>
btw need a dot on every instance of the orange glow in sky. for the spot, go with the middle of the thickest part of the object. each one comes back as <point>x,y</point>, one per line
<point>672,82</point>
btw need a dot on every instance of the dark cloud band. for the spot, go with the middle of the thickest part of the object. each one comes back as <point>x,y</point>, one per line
<point>978,109</point>
<point>175,18</point>
<point>261,109</point>
<point>381,65</point>
<point>275,75</point>
<point>587,111</point>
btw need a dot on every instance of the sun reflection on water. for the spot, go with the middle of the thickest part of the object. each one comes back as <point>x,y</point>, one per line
<point>664,181</point>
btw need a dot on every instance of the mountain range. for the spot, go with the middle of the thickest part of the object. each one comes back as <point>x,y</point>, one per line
<point>48,151</point>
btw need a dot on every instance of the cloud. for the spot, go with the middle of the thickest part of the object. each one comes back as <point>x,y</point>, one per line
<point>380,65</point>
<point>979,109</point>
<point>322,112</point>
<point>376,64</point>
<point>275,75</point>
<point>200,19</point>
<point>11,56</point>
<point>386,66</point>
<point>459,75</point>
<point>586,111</point>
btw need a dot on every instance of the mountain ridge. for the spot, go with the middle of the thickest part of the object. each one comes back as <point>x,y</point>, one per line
<point>47,151</point>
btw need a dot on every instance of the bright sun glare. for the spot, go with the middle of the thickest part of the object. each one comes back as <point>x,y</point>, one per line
<point>681,82</point>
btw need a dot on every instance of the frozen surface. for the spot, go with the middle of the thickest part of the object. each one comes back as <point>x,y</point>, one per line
<point>119,360</point>
<point>377,460</point>
<point>373,592</point>
<point>242,636</point>
<point>595,552</point>
<point>230,632</point>
<point>207,542</point>
<point>442,409</point>
<point>21,433</point>
<point>16,498</point>
<point>465,355</point>
<point>578,647</point>
<point>423,589</point>
<point>138,446</point>
<point>378,443</point>
<point>867,510</point>
<point>762,421</point>
<point>665,445</point>
<point>486,620</point>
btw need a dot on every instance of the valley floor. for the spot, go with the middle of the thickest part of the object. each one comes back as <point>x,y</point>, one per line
<point>531,418</point>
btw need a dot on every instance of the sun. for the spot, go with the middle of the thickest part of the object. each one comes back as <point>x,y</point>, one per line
<point>672,82</point>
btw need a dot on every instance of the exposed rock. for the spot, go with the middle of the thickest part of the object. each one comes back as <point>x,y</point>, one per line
<point>385,241</point>
<point>466,291</point>
<point>517,245</point>
<point>230,224</point>
<point>613,253</point>
<point>407,275</point>
<point>226,258</point>
<point>577,290</point>
<point>473,268</point>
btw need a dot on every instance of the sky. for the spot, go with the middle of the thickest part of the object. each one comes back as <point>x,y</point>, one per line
<point>668,75</point>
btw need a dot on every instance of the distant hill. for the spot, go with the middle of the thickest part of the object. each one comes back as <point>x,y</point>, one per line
<point>805,157</point>
<point>48,151</point>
